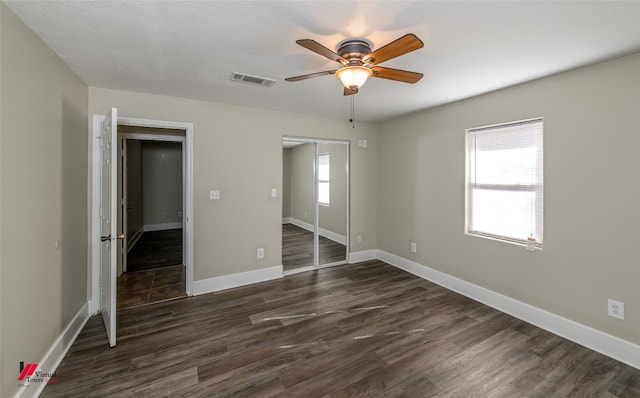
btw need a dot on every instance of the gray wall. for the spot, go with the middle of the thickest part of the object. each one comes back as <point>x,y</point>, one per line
<point>162,182</point>
<point>134,187</point>
<point>591,194</point>
<point>238,150</point>
<point>301,182</point>
<point>43,173</point>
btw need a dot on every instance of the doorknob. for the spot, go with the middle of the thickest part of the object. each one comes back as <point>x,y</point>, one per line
<point>106,238</point>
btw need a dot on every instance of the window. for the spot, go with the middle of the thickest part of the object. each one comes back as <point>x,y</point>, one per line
<point>324,180</point>
<point>505,182</point>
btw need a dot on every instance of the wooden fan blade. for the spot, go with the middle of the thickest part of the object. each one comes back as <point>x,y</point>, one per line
<point>396,74</point>
<point>321,50</point>
<point>403,45</point>
<point>350,91</point>
<point>310,75</point>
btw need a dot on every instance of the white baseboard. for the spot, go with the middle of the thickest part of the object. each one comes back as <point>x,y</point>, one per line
<point>236,280</point>
<point>611,346</point>
<point>286,220</point>
<point>162,227</point>
<point>323,232</point>
<point>49,363</point>
<point>364,255</point>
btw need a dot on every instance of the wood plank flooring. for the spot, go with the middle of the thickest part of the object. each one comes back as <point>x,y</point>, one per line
<point>151,286</point>
<point>363,330</point>
<point>297,248</point>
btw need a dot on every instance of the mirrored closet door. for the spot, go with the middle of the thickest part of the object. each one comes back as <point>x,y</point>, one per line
<point>315,203</point>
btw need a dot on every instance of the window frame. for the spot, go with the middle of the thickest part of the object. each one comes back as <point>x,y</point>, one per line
<point>536,188</point>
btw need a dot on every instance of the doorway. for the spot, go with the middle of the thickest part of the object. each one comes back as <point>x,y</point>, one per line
<point>103,280</point>
<point>315,206</point>
<point>151,191</point>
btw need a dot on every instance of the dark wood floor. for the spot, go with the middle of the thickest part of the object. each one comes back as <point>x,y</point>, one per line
<point>297,248</point>
<point>156,249</point>
<point>363,330</point>
<point>154,270</point>
<point>151,286</point>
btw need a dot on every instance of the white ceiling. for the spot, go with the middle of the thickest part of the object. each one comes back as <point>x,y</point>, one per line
<point>190,48</point>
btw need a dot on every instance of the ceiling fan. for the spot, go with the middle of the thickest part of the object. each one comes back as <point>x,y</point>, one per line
<point>360,63</point>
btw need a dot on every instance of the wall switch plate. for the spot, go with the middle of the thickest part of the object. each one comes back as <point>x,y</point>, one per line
<point>260,252</point>
<point>414,247</point>
<point>274,192</point>
<point>214,195</point>
<point>615,309</point>
<point>359,238</point>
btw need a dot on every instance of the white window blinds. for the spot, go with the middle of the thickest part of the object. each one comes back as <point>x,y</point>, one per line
<point>505,181</point>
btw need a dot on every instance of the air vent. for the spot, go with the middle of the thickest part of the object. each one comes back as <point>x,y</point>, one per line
<point>261,81</point>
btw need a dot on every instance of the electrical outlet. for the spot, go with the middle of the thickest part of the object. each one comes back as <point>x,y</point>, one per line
<point>214,195</point>
<point>615,309</point>
<point>414,247</point>
<point>260,252</point>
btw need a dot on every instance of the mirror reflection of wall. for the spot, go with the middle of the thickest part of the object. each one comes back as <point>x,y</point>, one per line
<point>332,205</point>
<point>314,232</point>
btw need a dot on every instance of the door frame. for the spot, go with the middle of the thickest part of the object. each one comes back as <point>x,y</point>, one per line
<point>94,204</point>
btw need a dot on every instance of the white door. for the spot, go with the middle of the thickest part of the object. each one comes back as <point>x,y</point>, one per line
<point>108,224</point>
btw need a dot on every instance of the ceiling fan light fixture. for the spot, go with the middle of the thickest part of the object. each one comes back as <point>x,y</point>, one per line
<point>353,76</point>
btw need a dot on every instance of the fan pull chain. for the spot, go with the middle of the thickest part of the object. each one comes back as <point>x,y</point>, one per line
<point>353,112</point>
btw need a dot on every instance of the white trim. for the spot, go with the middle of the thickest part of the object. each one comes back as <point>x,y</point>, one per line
<point>50,361</point>
<point>286,220</point>
<point>162,227</point>
<point>614,347</point>
<point>323,232</point>
<point>363,255</point>
<point>236,280</point>
<point>151,137</point>
<point>94,233</point>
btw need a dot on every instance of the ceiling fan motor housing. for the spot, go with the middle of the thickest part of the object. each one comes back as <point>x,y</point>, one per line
<point>353,51</point>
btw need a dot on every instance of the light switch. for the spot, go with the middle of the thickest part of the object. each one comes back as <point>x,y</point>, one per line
<point>214,195</point>
<point>274,192</point>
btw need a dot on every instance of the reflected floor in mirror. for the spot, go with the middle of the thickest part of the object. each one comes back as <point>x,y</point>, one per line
<point>297,248</point>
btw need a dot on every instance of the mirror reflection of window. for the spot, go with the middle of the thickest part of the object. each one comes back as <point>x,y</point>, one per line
<point>324,179</point>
